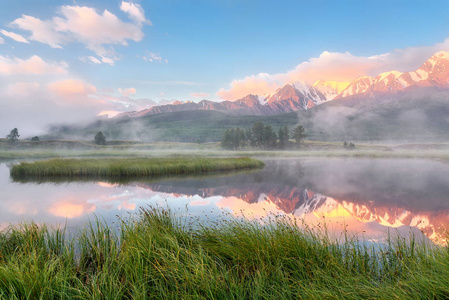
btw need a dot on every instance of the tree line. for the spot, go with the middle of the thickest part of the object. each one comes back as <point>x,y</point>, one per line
<point>263,137</point>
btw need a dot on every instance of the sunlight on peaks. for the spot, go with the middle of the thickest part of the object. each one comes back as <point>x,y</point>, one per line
<point>336,85</point>
<point>109,113</point>
<point>339,211</point>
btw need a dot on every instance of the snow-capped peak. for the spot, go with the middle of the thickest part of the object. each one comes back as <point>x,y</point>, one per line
<point>330,89</point>
<point>301,86</point>
<point>384,75</point>
<point>439,55</point>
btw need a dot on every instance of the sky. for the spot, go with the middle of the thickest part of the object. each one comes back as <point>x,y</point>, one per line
<point>69,61</point>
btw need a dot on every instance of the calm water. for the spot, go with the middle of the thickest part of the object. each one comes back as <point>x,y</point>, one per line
<point>366,196</point>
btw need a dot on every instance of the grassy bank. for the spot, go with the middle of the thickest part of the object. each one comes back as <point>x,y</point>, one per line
<point>159,256</point>
<point>130,167</point>
<point>64,149</point>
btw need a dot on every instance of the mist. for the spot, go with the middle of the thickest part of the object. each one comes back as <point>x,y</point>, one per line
<point>418,115</point>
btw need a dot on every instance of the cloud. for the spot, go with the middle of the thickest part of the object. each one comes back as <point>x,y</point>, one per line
<point>71,89</point>
<point>14,36</point>
<point>261,83</point>
<point>200,95</point>
<point>2,41</point>
<point>41,31</point>
<point>23,89</point>
<point>153,57</point>
<point>335,66</point>
<point>31,103</point>
<point>135,12</point>
<point>33,65</point>
<point>71,208</point>
<point>92,59</point>
<point>127,92</point>
<point>85,25</point>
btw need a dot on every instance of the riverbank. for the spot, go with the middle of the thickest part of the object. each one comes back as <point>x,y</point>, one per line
<point>70,149</point>
<point>158,255</point>
<point>129,167</point>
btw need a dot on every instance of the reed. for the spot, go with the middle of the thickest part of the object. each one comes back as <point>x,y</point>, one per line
<point>160,255</point>
<point>129,167</point>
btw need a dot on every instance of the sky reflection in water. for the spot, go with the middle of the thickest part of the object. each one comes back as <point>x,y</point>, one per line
<point>367,196</point>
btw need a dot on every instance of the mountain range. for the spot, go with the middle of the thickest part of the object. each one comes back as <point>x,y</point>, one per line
<point>301,96</point>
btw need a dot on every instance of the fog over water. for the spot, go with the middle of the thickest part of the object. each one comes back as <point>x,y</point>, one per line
<point>367,195</point>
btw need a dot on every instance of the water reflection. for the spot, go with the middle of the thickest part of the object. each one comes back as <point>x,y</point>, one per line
<point>362,195</point>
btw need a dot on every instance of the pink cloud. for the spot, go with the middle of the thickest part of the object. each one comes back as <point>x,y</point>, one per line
<point>71,89</point>
<point>71,208</point>
<point>261,83</point>
<point>127,92</point>
<point>33,65</point>
<point>335,66</point>
<point>200,95</point>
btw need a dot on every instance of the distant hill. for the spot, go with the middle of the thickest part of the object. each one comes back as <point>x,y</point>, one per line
<point>412,115</point>
<point>185,126</point>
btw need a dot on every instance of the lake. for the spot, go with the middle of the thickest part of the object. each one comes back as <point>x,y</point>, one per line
<point>367,197</point>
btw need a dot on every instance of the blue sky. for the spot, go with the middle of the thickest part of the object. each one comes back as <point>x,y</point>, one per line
<point>199,49</point>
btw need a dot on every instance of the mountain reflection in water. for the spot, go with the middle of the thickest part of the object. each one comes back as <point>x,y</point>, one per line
<point>361,195</point>
<point>391,193</point>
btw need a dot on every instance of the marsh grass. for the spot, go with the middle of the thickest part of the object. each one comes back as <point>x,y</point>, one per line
<point>160,255</point>
<point>129,167</point>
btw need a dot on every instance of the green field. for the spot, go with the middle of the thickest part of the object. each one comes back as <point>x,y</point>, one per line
<point>163,256</point>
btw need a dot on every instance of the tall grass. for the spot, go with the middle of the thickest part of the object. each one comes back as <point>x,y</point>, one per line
<point>129,167</point>
<point>158,255</point>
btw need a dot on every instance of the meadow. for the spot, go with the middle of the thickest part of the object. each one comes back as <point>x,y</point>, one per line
<point>159,254</point>
<point>129,167</point>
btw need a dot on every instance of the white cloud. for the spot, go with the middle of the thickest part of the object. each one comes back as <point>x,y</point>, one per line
<point>82,24</point>
<point>14,36</point>
<point>108,60</point>
<point>2,41</point>
<point>33,65</point>
<point>41,31</point>
<point>333,66</point>
<point>153,57</point>
<point>135,12</point>
<point>94,60</point>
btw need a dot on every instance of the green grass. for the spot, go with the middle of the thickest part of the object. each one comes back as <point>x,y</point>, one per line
<point>162,256</point>
<point>129,167</point>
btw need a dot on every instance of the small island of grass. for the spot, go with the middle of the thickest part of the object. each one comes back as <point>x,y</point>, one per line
<point>129,167</point>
